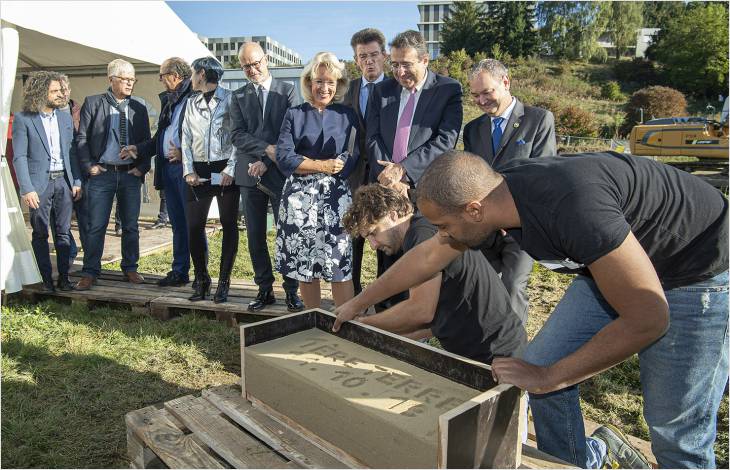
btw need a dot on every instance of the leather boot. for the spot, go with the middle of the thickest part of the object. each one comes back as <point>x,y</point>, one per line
<point>202,290</point>
<point>221,292</point>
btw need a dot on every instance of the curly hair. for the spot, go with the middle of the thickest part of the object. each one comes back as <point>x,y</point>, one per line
<point>370,204</point>
<point>35,91</point>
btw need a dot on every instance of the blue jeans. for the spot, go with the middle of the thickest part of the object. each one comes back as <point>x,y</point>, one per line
<point>175,192</point>
<point>101,190</point>
<point>683,374</point>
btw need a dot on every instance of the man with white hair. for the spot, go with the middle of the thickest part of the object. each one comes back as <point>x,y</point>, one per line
<point>111,124</point>
<point>507,131</point>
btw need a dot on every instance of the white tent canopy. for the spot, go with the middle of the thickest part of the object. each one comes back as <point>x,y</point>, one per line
<point>93,33</point>
<point>80,38</point>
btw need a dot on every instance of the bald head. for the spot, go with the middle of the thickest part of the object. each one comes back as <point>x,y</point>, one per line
<point>456,178</point>
<point>253,62</point>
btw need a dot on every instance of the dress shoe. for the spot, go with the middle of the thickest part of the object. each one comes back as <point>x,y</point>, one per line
<point>173,279</point>
<point>293,302</point>
<point>221,292</point>
<point>64,283</point>
<point>263,298</point>
<point>85,283</point>
<point>134,277</point>
<point>48,287</point>
<point>202,290</point>
<point>159,224</point>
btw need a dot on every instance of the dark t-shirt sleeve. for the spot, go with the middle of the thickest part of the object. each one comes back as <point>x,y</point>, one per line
<point>418,233</point>
<point>590,225</point>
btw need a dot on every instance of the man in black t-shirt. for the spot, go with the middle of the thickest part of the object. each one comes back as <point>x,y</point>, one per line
<point>465,306</point>
<point>650,245</point>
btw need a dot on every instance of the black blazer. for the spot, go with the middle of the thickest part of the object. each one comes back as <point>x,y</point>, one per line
<point>251,135</point>
<point>529,133</point>
<point>435,127</point>
<point>360,174</point>
<point>154,146</point>
<point>94,130</point>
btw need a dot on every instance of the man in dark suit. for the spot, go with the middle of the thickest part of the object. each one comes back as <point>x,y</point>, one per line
<point>111,124</point>
<point>257,110</point>
<point>368,46</point>
<point>175,76</point>
<point>414,117</point>
<point>47,171</point>
<point>507,132</point>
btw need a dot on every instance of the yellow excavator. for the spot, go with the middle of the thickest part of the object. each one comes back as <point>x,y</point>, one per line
<point>700,137</point>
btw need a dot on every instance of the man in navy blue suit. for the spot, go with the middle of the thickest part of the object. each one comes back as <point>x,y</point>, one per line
<point>412,119</point>
<point>47,170</point>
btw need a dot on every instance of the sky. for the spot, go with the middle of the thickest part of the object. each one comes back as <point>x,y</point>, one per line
<point>307,27</point>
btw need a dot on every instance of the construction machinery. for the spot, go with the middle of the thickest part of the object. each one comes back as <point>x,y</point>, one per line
<point>703,138</point>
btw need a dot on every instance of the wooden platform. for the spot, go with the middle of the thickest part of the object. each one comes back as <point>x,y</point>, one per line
<point>112,290</point>
<point>220,429</point>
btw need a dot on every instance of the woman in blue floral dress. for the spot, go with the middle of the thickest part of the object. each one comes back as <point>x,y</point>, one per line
<point>315,152</point>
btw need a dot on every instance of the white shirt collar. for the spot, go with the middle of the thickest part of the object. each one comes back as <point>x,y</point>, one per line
<point>364,82</point>
<point>266,84</point>
<point>508,112</point>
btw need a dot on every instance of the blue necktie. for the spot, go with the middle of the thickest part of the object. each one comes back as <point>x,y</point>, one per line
<point>496,134</point>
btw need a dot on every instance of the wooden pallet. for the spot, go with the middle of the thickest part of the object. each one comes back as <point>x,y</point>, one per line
<point>164,303</point>
<point>220,429</point>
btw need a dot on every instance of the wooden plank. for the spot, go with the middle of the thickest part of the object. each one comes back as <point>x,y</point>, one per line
<point>483,432</point>
<point>279,437</point>
<point>534,458</point>
<point>235,446</point>
<point>341,455</point>
<point>173,447</point>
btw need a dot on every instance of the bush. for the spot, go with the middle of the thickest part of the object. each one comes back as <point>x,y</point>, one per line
<point>599,56</point>
<point>636,71</point>
<point>611,91</point>
<point>657,102</point>
<point>575,121</point>
<point>551,103</point>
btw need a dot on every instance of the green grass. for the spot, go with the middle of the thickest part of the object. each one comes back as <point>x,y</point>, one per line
<point>70,375</point>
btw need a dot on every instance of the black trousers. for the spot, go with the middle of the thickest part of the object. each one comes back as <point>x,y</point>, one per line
<point>196,212</point>
<point>56,196</point>
<point>255,210</point>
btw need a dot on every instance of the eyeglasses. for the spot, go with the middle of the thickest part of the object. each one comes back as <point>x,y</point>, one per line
<point>253,64</point>
<point>164,74</point>
<point>125,79</point>
<point>405,66</point>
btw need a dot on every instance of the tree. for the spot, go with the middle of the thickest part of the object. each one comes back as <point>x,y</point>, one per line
<point>570,30</point>
<point>461,30</point>
<point>625,19</point>
<point>233,63</point>
<point>657,13</point>
<point>650,103</point>
<point>692,49</point>
<point>511,25</point>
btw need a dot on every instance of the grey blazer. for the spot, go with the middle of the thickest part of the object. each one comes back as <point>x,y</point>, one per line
<point>435,127</point>
<point>32,153</point>
<point>251,134</point>
<point>529,133</point>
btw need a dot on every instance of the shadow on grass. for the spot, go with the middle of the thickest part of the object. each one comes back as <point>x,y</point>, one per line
<point>69,376</point>
<point>67,410</point>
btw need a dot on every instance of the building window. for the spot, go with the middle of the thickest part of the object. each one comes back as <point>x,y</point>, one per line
<point>427,13</point>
